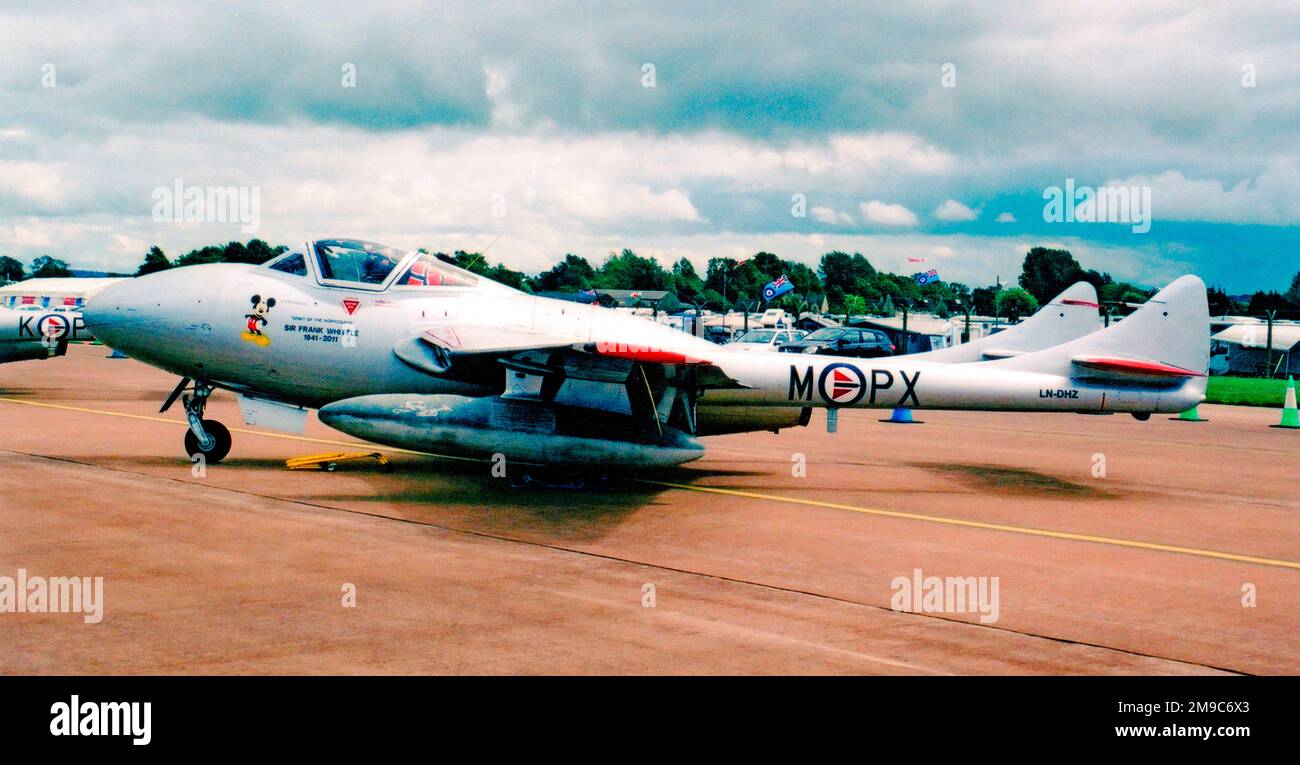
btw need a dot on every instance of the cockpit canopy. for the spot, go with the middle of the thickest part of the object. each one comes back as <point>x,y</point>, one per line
<point>348,260</point>
<point>353,263</point>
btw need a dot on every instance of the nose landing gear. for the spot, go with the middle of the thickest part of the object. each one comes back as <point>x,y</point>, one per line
<point>207,437</point>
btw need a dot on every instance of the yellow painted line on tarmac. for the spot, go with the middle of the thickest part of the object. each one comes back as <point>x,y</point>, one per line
<point>1024,530</point>
<point>1028,531</point>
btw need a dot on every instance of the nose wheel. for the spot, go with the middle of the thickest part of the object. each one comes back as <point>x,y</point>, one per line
<point>207,437</point>
<point>217,446</point>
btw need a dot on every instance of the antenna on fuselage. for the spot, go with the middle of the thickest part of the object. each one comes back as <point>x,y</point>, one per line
<point>470,265</point>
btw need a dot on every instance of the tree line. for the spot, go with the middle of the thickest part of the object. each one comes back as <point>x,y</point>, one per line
<point>842,282</point>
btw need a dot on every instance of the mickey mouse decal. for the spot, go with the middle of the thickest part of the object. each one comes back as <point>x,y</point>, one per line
<point>257,320</point>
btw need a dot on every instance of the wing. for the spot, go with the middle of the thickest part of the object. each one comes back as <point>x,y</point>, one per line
<point>435,348</point>
<point>655,386</point>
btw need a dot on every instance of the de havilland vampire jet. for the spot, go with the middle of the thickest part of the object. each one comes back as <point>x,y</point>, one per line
<point>407,350</point>
<point>38,334</point>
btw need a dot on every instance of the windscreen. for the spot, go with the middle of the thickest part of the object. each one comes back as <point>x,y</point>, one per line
<point>346,260</point>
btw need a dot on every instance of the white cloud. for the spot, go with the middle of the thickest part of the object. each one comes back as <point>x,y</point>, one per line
<point>1269,197</point>
<point>1006,217</point>
<point>954,211</point>
<point>831,217</point>
<point>39,183</point>
<point>884,214</point>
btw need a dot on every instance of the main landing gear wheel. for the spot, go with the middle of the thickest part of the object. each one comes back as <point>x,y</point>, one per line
<point>219,442</point>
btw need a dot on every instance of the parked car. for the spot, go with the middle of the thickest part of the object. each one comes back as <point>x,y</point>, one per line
<point>716,333</point>
<point>766,339</point>
<point>843,341</point>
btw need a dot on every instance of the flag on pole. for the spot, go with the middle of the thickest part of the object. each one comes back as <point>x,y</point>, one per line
<point>929,276</point>
<point>777,288</point>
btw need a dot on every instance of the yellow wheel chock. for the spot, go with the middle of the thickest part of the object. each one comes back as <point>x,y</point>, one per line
<point>330,462</point>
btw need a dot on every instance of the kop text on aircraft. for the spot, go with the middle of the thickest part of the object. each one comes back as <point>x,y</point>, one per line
<point>407,350</point>
<point>38,334</point>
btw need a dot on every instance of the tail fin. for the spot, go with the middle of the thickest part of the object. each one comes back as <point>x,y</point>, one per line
<point>1069,316</point>
<point>1165,341</point>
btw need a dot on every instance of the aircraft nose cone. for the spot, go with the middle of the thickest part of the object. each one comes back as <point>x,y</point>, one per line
<point>113,315</point>
<point>152,312</point>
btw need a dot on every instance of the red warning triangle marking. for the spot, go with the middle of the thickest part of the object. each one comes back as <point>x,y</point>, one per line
<point>351,304</point>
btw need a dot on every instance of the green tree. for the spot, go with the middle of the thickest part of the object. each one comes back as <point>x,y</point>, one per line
<point>851,274</point>
<point>1293,294</point>
<point>737,280</point>
<point>46,267</point>
<point>1097,280</point>
<point>804,279</point>
<point>985,300</point>
<point>1221,303</point>
<point>900,289</point>
<point>1015,303</point>
<point>854,305</point>
<point>843,274</point>
<point>509,277</point>
<point>11,270</point>
<point>569,275</point>
<point>1262,302</point>
<point>1047,272</point>
<point>687,284</point>
<point>712,300</point>
<point>1120,294</point>
<point>154,260</point>
<point>629,271</point>
<point>209,254</point>
<point>256,251</point>
<point>474,262</point>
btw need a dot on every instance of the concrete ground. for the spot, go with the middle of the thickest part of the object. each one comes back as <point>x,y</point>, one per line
<point>1118,547</point>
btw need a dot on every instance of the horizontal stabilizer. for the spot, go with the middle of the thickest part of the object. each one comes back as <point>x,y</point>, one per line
<point>1001,353</point>
<point>1130,367</point>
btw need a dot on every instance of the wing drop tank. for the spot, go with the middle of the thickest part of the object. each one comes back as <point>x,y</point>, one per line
<point>524,431</point>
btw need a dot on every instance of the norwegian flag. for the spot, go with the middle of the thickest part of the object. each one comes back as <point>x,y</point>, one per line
<point>69,301</point>
<point>29,299</point>
<point>423,275</point>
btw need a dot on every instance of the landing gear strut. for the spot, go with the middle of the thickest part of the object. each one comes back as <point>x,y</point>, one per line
<point>207,437</point>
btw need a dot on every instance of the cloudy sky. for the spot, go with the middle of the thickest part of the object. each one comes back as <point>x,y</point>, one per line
<point>910,129</point>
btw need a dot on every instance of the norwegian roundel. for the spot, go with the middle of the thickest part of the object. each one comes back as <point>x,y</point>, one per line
<point>842,384</point>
